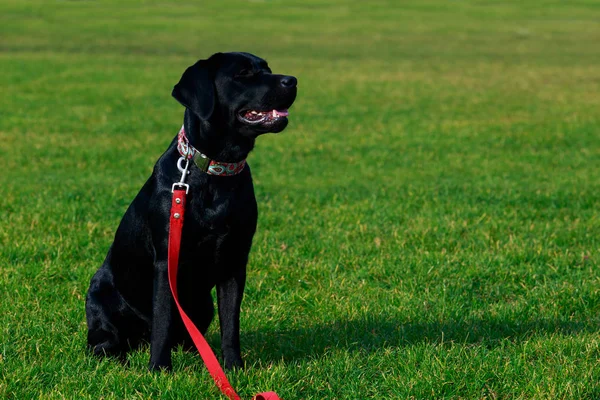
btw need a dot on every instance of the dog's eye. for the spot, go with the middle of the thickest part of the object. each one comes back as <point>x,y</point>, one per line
<point>245,73</point>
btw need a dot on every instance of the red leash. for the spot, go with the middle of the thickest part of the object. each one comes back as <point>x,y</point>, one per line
<point>212,364</point>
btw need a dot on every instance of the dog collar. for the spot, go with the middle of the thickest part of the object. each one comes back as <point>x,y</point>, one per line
<point>211,167</point>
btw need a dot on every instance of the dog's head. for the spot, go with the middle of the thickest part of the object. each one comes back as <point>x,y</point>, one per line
<point>237,90</point>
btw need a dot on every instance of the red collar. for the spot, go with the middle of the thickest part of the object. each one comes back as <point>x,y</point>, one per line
<point>207,165</point>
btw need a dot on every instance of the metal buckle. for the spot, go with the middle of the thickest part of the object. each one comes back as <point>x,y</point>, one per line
<point>185,185</point>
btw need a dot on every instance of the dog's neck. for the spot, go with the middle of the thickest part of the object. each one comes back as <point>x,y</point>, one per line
<point>216,142</point>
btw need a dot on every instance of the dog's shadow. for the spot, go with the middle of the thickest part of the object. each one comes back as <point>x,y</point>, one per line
<point>271,345</point>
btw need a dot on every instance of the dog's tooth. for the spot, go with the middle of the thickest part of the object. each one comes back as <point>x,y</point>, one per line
<point>254,112</point>
<point>274,114</point>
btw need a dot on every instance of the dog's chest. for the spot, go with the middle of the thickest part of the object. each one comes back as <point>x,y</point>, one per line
<point>212,214</point>
<point>217,230</point>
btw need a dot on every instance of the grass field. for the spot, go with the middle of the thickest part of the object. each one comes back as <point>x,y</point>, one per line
<point>429,222</point>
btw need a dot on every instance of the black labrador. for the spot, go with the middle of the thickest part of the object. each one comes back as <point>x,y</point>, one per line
<point>230,99</point>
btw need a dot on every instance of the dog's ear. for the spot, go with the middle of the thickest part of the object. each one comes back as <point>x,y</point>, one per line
<point>196,89</point>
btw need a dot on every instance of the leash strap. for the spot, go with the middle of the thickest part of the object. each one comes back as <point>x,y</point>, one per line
<point>209,358</point>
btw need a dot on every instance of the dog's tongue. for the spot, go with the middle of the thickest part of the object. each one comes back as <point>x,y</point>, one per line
<point>280,113</point>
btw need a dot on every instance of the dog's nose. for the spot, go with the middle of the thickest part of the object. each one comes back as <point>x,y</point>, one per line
<point>288,81</point>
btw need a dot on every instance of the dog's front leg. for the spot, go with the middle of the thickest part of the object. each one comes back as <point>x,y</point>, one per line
<point>163,306</point>
<point>229,299</point>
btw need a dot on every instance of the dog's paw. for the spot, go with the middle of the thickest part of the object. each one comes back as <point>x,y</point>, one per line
<point>233,362</point>
<point>108,349</point>
<point>160,367</point>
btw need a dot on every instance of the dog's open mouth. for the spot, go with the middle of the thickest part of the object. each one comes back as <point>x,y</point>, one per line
<point>254,117</point>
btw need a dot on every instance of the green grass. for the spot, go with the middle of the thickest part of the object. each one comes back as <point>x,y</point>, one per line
<point>429,222</point>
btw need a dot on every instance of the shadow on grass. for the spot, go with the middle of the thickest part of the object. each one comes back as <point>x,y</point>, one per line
<point>371,335</point>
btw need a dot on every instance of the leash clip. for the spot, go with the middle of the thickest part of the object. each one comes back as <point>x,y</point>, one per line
<point>184,171</point>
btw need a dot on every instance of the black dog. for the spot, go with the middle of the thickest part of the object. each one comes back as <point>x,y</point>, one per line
<point>230,99</point>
